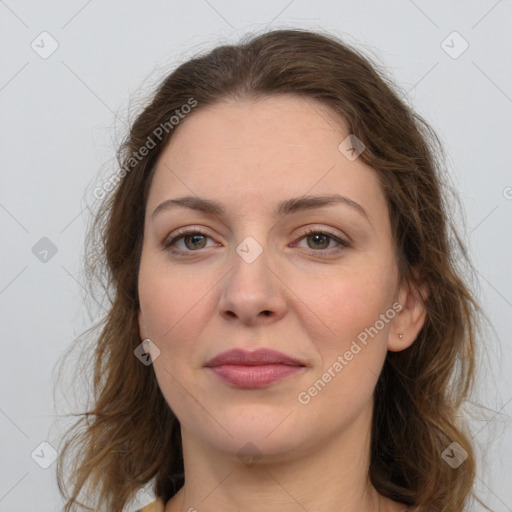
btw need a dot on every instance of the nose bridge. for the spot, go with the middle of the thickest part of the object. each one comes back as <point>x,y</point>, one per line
<point>251,287</point>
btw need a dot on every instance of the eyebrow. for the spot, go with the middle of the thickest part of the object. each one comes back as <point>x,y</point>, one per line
<point>283,208</point>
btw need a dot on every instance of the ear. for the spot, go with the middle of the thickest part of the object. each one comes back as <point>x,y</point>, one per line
<point>410,319</point>
<point>142,326</point>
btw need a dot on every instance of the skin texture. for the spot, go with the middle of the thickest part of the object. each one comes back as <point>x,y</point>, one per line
<point>249,156</point>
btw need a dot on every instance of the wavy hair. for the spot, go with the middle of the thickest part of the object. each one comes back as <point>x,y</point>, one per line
<point>129,435</point>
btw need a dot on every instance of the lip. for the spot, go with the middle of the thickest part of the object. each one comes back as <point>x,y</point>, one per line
<point>260,357</point>
<point>257,369</point>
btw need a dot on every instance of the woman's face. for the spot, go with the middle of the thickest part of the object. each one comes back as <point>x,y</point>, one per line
<point>275,266</point>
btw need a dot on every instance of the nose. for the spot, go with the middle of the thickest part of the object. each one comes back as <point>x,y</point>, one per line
<point>252,293</point>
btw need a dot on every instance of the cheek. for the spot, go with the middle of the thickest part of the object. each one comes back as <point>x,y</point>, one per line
<point>352,351</point>
<point>173,311</point>
<point>172,302</point>
<point>348,306</point>
<point>347,302</point>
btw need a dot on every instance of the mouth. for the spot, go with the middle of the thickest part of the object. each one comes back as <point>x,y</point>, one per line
<point>251,370</point>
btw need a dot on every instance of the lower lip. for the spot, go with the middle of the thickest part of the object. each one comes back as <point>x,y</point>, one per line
<point>251,377</point>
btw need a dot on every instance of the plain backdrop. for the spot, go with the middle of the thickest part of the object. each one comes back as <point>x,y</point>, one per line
<point>71,75</point>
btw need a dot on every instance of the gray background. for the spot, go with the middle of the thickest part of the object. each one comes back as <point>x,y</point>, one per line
<point>62,115</point>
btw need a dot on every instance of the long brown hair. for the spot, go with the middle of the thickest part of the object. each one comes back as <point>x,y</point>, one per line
<point>130,436</point>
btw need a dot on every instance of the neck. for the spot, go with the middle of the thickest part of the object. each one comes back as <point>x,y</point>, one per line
<point>325,476</point>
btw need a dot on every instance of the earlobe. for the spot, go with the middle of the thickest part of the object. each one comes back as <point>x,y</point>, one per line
<point>410,320</point>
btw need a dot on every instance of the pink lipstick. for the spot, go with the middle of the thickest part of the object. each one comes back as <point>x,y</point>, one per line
<point>251,370</point>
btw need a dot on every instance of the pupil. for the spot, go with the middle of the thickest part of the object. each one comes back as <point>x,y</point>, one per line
<point>319,236</point>
<point>194,239</point>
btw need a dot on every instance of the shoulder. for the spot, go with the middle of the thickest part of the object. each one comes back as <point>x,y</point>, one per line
<point>154,506</point>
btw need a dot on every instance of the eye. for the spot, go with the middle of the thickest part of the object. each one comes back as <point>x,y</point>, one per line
<point>318,241</point>
<point>192,239</point>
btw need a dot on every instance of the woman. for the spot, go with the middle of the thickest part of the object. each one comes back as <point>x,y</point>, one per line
<point>289,329</point>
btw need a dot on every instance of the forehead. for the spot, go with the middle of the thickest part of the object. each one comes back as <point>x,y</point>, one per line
<point>258,151</point>
<point>287,125</point>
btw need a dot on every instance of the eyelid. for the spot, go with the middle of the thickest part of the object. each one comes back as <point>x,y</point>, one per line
<point>343,241</point>
<point>338,235</point>
<point>180,233</point>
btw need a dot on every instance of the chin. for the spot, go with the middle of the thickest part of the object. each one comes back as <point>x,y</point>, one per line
<point>257,431</point>
<point>251,447</point>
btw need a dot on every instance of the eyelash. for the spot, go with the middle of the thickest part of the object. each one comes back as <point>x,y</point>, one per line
<point>342,244</point>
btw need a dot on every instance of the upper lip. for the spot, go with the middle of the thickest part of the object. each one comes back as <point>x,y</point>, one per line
<point>258,357</point>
